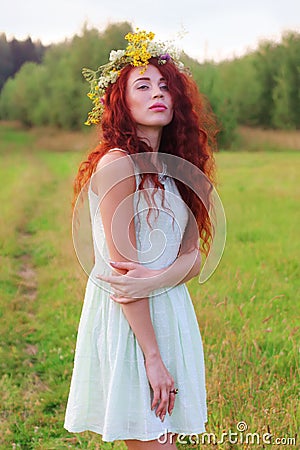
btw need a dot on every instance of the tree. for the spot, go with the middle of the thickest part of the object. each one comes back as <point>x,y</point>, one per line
<point>6,64</point>
<point>261,88</point>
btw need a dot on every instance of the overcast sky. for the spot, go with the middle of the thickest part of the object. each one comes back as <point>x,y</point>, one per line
<point>216,28</point>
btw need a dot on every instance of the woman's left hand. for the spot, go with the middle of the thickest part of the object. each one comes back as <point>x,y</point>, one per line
<point>136,284</point>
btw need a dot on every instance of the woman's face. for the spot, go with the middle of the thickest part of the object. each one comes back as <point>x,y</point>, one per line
<point>148,98</point>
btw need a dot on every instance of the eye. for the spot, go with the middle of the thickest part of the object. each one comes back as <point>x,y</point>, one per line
<point>164,87</point>
<point>142,87</point>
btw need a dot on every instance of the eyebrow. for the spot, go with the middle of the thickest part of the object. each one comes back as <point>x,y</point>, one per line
<point>147,79</point>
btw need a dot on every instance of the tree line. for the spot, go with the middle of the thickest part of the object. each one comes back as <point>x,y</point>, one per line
<point>261,88</point>
<point>14,53</point>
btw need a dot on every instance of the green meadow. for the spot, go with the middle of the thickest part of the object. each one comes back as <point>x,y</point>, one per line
<point>248,311</point>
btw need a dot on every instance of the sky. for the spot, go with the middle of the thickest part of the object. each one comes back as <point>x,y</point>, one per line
<point>215,29</point>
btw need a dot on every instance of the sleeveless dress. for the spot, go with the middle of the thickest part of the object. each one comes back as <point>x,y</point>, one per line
<point>110,393</point>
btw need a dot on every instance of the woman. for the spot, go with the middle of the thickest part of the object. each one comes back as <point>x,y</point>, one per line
<point>139,368</point>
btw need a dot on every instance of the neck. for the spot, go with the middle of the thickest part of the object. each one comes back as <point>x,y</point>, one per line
<point>151,136</point>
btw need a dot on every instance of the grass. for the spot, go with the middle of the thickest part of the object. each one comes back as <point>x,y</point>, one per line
<point>248,311</point>
<point>259,139</point>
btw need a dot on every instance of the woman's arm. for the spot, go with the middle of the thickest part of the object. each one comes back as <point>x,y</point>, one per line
<point>183,269</point>
<point>139,280</point>
<point>116,208</point>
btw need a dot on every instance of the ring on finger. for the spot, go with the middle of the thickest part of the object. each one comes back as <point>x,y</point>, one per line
<point>174,391</point>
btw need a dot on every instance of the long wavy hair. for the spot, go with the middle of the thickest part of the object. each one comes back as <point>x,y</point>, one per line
<point>191,135</point>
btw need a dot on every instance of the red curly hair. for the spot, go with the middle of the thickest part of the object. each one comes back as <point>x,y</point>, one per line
<point>193,128</point>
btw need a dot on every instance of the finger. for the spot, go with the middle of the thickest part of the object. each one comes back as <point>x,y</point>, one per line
<point>117,299</point>
<point>156,398</point>
<point>108,278</point>
<point>117,295</point>
<point>121,300</point>
<point>117,291</point>
<point>114,281</point>
<point>172,397</point>
<point>162,409</point>
<point>126,265</point>
<point>103,278</point>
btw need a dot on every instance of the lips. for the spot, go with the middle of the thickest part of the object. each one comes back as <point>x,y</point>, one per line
<point>158,107</point>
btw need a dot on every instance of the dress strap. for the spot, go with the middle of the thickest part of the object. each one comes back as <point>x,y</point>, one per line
<point>118,149</point>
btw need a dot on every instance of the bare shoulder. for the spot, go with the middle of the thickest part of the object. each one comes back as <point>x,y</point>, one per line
<point>115,159</point>
<point>113,168</point>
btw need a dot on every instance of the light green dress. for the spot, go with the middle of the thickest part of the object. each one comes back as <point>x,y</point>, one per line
<point>110,393</point>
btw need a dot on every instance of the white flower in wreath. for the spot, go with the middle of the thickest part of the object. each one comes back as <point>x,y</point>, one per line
<point>113,76</point>
<point>102,82</point>
<point>180,65</point>
<point>116,54</point>
<point>155,48</point>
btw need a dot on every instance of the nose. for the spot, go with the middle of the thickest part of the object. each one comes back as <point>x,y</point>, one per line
<point>157,93</point>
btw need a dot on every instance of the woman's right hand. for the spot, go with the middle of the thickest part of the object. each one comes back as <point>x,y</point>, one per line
<point>162,383</point>
<point>136,283</point>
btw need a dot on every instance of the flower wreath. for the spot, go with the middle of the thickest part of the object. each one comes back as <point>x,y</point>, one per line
<point>139,50</point>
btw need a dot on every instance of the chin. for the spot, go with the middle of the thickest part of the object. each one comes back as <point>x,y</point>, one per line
<point>161,122</point>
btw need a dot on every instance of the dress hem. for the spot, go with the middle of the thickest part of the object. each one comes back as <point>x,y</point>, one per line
<point>150,437</point>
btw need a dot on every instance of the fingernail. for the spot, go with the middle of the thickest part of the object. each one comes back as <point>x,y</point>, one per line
<point>112,262</point>
<point>162,418</point>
